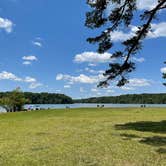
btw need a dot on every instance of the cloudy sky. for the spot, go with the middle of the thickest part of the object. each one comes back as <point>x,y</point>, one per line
<point>43,48</point>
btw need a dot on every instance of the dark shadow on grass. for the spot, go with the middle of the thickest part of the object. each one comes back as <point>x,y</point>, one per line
<point>161,150</point>
<point>155,127</point>
<point>129,136</point>
<point>154,141</point>
<point>157,141</point>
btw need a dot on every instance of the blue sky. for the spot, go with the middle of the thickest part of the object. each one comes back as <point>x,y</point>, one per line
<point>44,49</point>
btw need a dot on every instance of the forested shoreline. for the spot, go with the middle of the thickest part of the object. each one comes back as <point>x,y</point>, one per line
<point>42,98</point>
<point>127,99</point>
<point>54,98</point>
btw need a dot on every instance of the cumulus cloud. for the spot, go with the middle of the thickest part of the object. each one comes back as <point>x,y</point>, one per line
<point>6,24</point>
<point>163,70</point>
<point>29,58</point>
<point>146,4</point>
<point>141,5</point>
<point>4,75</point>
<point>93,57</point>
<point>157,30</point>
<point>80,79</point>
<point>121,36</point>
<point>136,83</point>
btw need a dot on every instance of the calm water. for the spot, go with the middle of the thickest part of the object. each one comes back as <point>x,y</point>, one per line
<point>61,106</point>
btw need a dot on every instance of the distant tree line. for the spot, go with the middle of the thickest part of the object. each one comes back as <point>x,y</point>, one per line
<point>40,98</point>
<point>128,99</point>
<point>47,98</point>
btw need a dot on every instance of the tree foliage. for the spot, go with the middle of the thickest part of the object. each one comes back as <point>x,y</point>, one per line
<point>47,98</point>
<point>128,99</point>
<point>40,98</point>
<point>120,16</point>
<point>13,101</point>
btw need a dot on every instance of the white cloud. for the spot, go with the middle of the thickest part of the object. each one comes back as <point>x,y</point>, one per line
<point>29,58</point>
<point>80,79</point>
<point>163,70</point>
<point>6,24</point>
<point>35,85</point>
<point>157,30</point>
<point>27,63</point>
<point>110,91</point>
<point>93,57</point>
<point>4,75</point>
<point>30,79</point>
<point>92,65</point>
<point>146,4</point>
<point>140,60</point>
<point>135,82</point>
<point>59,77</point>
<point>37,43</point>
<point>141,5</point>
<point>120,36</point>
<point>94,90</point>
<point>94,71</point>
<point>67,86</point>
<point>127,88</point>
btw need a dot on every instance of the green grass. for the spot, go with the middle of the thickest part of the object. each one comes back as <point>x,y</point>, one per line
<point>84,137</point>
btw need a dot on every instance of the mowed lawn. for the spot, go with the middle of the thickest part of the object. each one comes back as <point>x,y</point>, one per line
<point>84,137</point>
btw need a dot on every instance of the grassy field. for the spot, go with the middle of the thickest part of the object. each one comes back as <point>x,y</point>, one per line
<point>84,137</point>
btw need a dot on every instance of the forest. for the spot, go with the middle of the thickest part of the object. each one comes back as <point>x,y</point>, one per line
<point>42,98</point>
<point>127,99</point>
<point>54,98</point>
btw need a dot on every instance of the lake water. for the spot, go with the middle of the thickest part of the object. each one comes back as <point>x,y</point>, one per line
<point>87,105</point>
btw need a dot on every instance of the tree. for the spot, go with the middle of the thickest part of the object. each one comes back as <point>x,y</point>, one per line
<point>14,101</point>
<point>120,16</point>
<point>6,103</point>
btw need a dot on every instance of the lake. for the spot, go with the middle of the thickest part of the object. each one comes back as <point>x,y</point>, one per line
<point>88,105</point>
